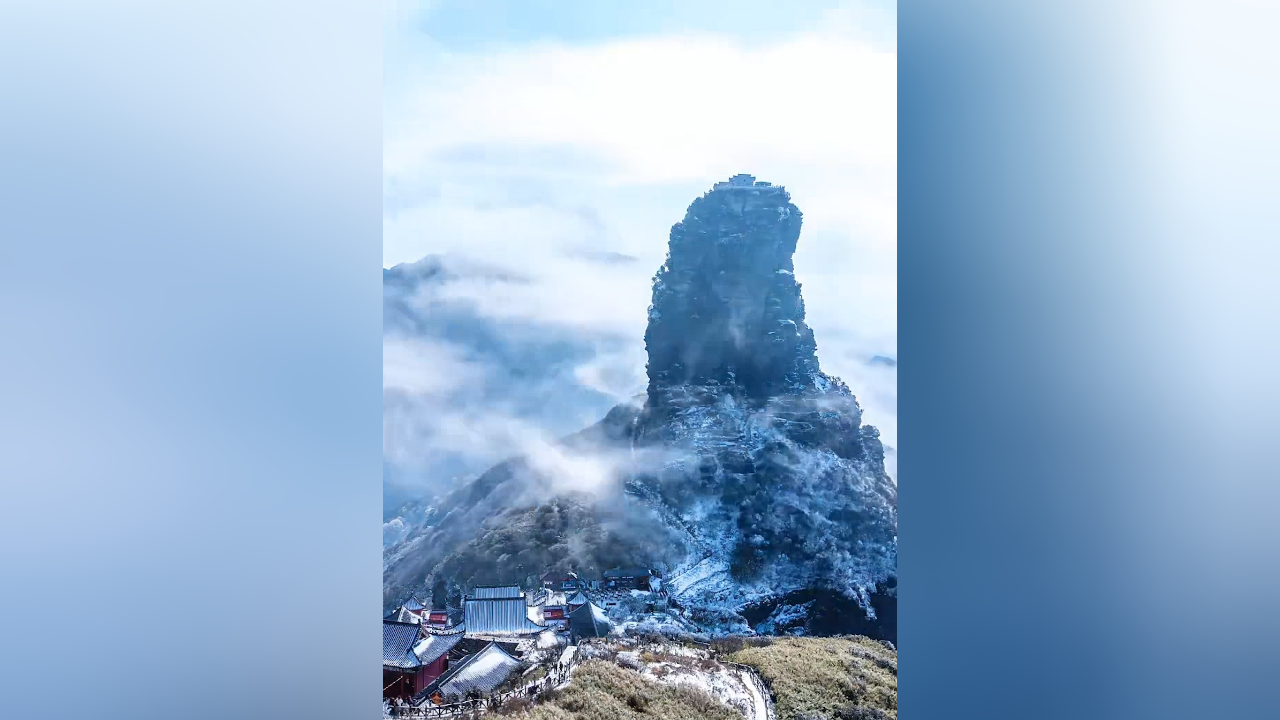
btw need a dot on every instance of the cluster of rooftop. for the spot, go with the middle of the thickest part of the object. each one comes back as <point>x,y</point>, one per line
<point>434,654</point>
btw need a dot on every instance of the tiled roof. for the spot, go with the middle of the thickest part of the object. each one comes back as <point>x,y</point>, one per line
<point>589,621</point>
<point>458,629</point>
<point>577,599</point>
<point>468,646</point>
<point>482,672</point>
<point>397,644</point>
<point>431,647</point>
<point>413,604</point>
<point>404,615</point>
<point>504,591</point>
<point>499,616</point>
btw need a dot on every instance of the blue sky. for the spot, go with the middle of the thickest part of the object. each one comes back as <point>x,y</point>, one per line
<point>471,24</point>
<point>520,133</point>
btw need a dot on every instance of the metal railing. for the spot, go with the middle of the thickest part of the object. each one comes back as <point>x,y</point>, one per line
<point>758,682</point>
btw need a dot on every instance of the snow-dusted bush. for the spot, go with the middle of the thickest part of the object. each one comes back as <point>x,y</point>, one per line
<point>629,659</point>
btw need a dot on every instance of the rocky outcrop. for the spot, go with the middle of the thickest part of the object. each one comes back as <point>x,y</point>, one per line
<point>746,474</point>
<point>768,459</point>
<point>727,311</point>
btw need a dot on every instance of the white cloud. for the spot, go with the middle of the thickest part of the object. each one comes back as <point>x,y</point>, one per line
<point>590,296</point>
<point>520,154</point>
<point>665,109</point>
<point>419,367</point>
<point>616,373</point>
<point>425,421</point>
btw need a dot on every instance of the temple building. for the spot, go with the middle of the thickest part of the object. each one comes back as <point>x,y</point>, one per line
<point>588,621</point>
<point>631,578</point>
<point>477,674</point>
<point>498,611</point>
<point>412,658</point>
<point>743,181</point>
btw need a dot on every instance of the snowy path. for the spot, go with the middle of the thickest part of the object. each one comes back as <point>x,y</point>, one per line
<point>760,708</point>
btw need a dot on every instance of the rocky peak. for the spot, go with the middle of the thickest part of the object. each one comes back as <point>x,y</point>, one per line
<point>748,473</point>
<point>727,310</point>
<point>767,460</point>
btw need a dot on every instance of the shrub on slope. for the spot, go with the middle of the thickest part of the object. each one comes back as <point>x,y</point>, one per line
<point>603,691</point>
<point>835,678</point>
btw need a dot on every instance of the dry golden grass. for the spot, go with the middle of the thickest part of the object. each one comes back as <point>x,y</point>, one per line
<point>603,691</point>
<point>839,678</point>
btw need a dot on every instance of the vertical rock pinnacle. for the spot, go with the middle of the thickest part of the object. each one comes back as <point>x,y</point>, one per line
<point>727,309</point>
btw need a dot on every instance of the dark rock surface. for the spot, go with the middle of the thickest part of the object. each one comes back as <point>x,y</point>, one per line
<point>827,612</point>
<point>727,311</point>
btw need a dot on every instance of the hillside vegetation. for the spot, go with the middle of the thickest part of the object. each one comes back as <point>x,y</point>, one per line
<point>835,678</point>
<point>602,690</point>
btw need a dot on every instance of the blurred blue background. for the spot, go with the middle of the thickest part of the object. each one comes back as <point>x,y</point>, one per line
<point>190,222</point>
<point>1087,262</point>
<point>190,215</point>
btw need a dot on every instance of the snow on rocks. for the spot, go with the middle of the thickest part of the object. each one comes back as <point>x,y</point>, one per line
<point>671,664</point>
<point>700,573</point>
<point>785,618</point>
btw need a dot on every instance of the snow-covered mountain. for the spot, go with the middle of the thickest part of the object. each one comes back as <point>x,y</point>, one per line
<point>744,473</point>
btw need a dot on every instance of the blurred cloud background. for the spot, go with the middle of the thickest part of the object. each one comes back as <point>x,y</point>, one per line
<point>1088,227</point>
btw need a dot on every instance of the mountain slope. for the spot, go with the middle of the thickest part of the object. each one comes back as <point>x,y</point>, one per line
<point>745,474</point>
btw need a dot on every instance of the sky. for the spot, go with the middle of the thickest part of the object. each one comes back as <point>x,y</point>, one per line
<point>529,134</point>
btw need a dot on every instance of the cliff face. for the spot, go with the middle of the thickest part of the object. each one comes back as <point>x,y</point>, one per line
<point>747,475</point>
<point>727,310</point>
<point>782,487</point>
